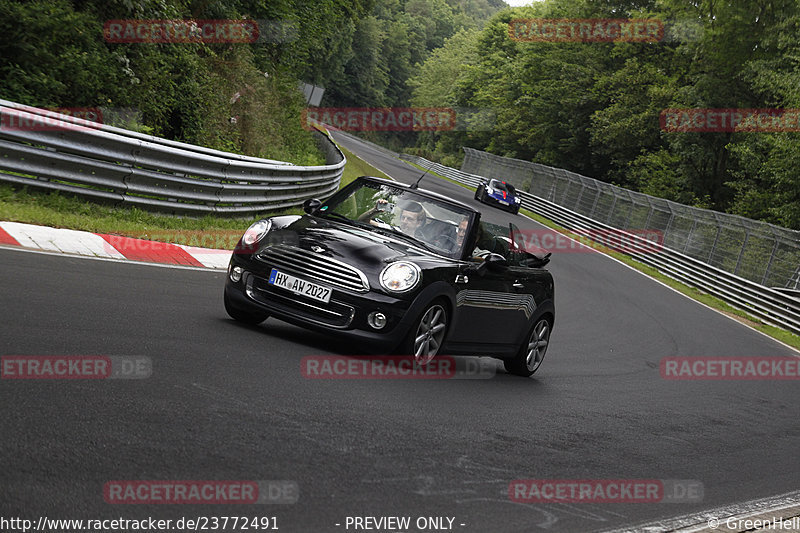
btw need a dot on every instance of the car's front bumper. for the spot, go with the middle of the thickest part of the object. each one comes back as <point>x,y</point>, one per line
<point>509,205</point>
<point>345,314</point>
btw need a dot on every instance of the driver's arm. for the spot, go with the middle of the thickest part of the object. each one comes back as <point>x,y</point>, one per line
<point>367,215</point>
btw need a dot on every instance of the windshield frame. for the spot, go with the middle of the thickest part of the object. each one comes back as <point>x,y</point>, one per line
<point>447,247</point>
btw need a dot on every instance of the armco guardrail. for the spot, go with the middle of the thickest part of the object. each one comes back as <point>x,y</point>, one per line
<point>752,249</point>
<point>770,305</point>
<point>41,149</point>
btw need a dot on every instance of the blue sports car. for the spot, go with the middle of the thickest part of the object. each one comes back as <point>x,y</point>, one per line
<point>499,193</point>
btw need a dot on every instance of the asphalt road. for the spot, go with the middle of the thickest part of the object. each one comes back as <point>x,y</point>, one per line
<point>228,402</point>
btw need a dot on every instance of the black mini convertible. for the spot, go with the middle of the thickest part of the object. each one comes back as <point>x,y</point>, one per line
<point>400,269</point>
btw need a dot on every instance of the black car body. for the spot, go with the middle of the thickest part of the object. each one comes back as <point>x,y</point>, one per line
<point>347,268</point>
<point>500,194</point>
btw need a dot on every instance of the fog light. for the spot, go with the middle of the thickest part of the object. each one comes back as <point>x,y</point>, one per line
<point>376,320</point>
<point>236,274</point>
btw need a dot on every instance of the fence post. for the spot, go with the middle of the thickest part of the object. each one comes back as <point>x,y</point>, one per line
<point>613,206</point>
<point>649,214</point>
<point>741,252</point>
<point>669,223</point>
<point>769,263</point>
<point>566,190</point>
<point>795,277</point>
<point>716,239</point>
<point>689,236</point>
<point>630,212</point>
<point>596,200</point>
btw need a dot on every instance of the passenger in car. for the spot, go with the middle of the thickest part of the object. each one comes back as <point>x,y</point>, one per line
<point>484,244</point>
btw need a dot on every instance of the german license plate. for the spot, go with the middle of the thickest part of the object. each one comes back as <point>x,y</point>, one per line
<point>503,202</point>
<point>299,286</point>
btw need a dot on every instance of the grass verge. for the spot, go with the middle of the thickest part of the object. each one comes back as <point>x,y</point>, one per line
<point>357,167</point>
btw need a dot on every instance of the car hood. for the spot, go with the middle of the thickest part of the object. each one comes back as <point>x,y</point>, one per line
<point>497,193</point>
<point>348,243</point>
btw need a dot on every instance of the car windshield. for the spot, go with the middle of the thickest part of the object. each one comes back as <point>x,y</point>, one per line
<point>436,225</point>
<point>502,186</point>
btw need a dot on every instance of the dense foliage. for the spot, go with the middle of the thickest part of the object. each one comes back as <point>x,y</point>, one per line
<point>589,107</point>
<point>239,97</point>
<point>594,107</point>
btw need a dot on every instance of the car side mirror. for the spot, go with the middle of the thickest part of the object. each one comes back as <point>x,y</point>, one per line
<point>311,206</point>
<point>535,261</point>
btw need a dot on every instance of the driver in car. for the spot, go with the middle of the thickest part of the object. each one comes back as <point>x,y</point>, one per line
<point>413,221</point>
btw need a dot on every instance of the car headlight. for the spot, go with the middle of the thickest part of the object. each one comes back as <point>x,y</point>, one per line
<point>517,199</point>
<point>401,276</point>
<point>489,190</point>
<point>256,232</point>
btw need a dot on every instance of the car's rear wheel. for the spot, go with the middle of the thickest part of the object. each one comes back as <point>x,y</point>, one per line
<point>426,336</point>
<point>247,317</point>
<point>531,353</point>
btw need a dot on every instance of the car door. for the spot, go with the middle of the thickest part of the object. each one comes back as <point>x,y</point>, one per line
<point>490,310</point>
<point>533,284</point>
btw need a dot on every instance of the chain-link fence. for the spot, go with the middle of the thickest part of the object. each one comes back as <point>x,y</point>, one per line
<point>757,251</point>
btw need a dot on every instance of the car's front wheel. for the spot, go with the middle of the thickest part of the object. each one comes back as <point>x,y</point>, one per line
<point>247,317</point>
<point>479,192</point>
<point>426,336</point>
<point>531,353</point>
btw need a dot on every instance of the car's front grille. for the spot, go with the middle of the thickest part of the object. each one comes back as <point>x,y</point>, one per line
<point>315,267</point>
